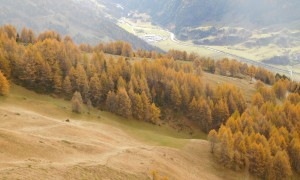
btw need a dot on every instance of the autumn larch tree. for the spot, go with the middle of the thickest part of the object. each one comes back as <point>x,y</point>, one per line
<point>121,83</point>
<point>175,97</point>
<point>89,105</point>
<point>146,106</point>
<point>137,106</point>
<point>257,100</point>
<point>4,85</point>
<point>281,166</point>
<point>57,83</point>
<point>67,88</point>
<point>31,36</point>
<point>95,90</point>
<point>111,102</point>
<point>192,109</point>
<point>10,31</point>
<point>82,82</point>
<point>294,152</point>
<point>154,114</point>
<point>268,94</point>
<point>124,103</point>
<point>77,102</point>
<point>280,89</point>
<point>220,113</point>
<point>213,139</point>
<point>204,114</point>
<point>24,35</point>
<point>294,98</point>
<point>186,98</point>
<point>226,149</point>
<point>4,63</point>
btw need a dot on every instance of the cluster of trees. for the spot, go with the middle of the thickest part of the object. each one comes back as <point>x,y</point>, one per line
<point>225,66</point>
<point>234,68</point>
<point>147,54</point>
<point>142,90</point>
<point>265,138</point>
<point>181,55</point>
<point>217,107</point>
<point>10,31</point>
<point>120,48</point>
<point>87,48</point>
<point>294,87</point>
<point>27,36</point>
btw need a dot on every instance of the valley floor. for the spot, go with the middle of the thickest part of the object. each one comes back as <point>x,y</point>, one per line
<point>36,142</point>
<point>166,40</point>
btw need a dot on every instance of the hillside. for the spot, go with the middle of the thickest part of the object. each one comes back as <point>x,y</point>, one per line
<point>178,14</point>
<point>256,30</point>
<point>85,21</point>
<point>37,142</point>
<point>134,111</point>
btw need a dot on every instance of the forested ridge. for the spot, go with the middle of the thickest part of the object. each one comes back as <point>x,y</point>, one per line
<point>262,137</point>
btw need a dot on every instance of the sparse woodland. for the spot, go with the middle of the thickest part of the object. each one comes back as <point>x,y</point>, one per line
<point>262,137</point>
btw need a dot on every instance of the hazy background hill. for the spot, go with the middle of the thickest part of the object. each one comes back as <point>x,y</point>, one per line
<point>86,21</point>
<point>262,30</point>
<point>250,13</point>
<point>265,29</point>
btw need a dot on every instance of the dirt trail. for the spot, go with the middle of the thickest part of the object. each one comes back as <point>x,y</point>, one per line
<point>34,146</point>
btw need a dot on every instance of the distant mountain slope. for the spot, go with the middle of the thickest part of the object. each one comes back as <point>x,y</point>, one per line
<point>269,28</point>
<point>180,13</point>
<point>87,21</point>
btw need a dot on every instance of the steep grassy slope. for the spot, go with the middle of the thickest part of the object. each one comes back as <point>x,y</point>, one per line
<point>37,142</point>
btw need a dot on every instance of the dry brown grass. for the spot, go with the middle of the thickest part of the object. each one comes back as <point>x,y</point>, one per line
<point>37,143</point>
<point>245,85</point>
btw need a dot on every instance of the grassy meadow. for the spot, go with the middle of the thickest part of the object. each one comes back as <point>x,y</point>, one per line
<point>61,109</point>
